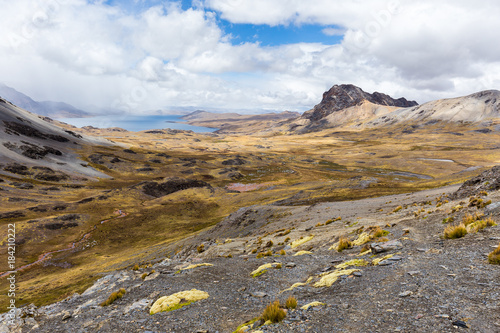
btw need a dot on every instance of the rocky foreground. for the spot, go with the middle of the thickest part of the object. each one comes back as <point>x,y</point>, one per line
<point>403,276</point>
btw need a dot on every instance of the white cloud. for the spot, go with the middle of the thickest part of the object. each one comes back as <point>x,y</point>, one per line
<point>94,54</point>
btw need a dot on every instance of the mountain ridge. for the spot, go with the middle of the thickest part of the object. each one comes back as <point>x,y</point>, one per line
<point>343,96</point>
<point>44,108</point>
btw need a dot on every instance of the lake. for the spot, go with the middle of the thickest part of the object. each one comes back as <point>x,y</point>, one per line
<point>136,123</point>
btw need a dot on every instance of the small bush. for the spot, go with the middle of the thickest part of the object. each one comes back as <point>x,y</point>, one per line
<point>136,267</point>
<point>282,252</point>
<point>378,232</point>
<point>291,303</point>
<point>278,266</point>
<point>274,313</point>
<point>344,243</point>
<point>144,275</point>
<point>365,248</point>
<point>448,219</point>
<point>319,224</point>
<point>254,251</point>
<point>268,253</point>
<point>269,243</point>
<point>455,231</point>
<point>397,209</point>
<point>113,297</point>
<point>287,239</point>
<point>260,255</point>
<point>200,248</point>
<point>494,257</point>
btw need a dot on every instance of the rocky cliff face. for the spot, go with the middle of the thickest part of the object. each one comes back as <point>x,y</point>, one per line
<point>343,96</point>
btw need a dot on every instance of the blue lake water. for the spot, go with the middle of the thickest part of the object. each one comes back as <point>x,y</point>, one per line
<point>135,123</point>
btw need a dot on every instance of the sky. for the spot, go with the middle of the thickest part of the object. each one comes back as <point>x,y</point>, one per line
<point>139,56</point>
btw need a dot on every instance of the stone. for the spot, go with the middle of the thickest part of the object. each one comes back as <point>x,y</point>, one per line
<point>386,246</point>
<point>395,258</point>
<point>290,265</point>
<point>259,294</point>
<point>413,273</point>
<point>357,274</point>
<point>460,323</point>
<point>493,209</point>
<point>66,315</point>
<point>385,262</point>
<point>406,293</point>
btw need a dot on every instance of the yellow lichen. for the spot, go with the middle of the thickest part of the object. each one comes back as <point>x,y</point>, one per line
<point>299,242</point>
<point>362,239</point>
<point>301,253</point>
<point>364,252</point>
<point>298,284</point>
<point>195,266</point>
<point>312,304</point>
<point>375,262</point>
<point>261,269</point>
<point>168,303</point>
<point>329,278</point>
<point>353,262</point>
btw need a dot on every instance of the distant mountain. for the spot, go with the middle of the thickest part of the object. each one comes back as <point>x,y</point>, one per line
<point>344,96</point>
<point>44,108</point>
<point>477,107</point>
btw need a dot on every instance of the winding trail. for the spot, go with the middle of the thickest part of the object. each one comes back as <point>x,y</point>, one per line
<point>44,256</point>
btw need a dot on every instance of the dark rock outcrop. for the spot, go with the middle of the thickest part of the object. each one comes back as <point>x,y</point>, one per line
<point>488,181</point>
<point>172,185</point>
<point>343,96</point>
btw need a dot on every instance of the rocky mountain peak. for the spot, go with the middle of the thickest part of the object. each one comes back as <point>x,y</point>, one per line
<point>343,96</point>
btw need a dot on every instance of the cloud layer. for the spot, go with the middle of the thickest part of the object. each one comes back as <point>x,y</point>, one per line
<point>153,54</point>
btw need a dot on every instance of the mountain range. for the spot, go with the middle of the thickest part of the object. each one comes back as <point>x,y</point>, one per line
<point>350,107</point>
<point>44,108</point>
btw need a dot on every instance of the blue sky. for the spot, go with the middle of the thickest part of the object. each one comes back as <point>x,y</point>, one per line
<point>143,55</point>
<point>266,35</point>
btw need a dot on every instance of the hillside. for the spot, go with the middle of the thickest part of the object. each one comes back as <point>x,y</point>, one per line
<point>398,274</point>
<point>475,108</point>
<point>29,140</point>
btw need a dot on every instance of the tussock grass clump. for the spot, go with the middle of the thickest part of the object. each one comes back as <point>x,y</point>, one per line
<point>333,220</point>
<point>136,267</point>
<point>291,303</point>
<point>264,254</point>
<point>254,251</point>
<point>287,239</point>
<point>113,297</point>
<point>481,224</point>
<point>144,275</point>
<point>344,243</point>
<point>282,252</point>
<point>455,231</point>
<point>397,209</point>
<point>274,313</point>
<point>448,219</point>
<point>200,248</point>
<point>494,257</point>
<point>283,233</point>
